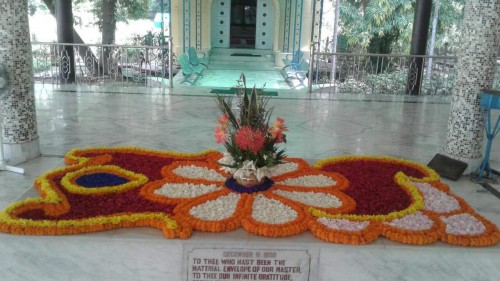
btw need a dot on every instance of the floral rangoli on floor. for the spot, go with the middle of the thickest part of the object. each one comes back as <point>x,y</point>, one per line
<point>349,200</point>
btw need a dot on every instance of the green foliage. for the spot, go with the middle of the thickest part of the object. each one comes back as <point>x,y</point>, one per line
<point>155,7</point>
<point>41,65</point>
<point>394,83</point>
<point>375,25</point>
<point>131,9</point>
<point>149,39</point>
<point>381,26</point>
<point>35,5</point>
<point>125,9</point>
<point>448,29</point>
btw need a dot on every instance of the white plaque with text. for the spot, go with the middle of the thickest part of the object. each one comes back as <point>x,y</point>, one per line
<point>211,264</point>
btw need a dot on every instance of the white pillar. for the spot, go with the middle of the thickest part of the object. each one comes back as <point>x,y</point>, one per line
<point>17,105</point>
<point>479,47</point>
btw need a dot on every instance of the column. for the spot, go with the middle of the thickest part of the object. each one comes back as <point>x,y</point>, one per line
<point>17,102</point>
<point>420,31</point>
<point>479,46</point>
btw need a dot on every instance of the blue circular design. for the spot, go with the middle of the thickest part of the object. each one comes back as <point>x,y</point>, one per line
<point>234,186</point>
<point>100,180</point>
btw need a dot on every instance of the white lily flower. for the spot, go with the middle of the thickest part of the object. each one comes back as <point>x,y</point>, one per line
<point>261,173</point>
<point>246,170</point>
<point>249,165</point>
<point>227,159</point>
<point>227,169</point>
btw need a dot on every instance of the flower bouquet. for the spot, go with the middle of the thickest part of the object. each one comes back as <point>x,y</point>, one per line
<point>251,143</point>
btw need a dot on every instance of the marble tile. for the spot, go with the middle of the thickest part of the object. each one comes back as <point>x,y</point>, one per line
<point>13,185</point>
<point>228,78</point>
<point>183,120</point>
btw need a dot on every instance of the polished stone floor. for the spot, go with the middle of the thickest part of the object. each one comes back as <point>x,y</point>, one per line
<point>182,119</point>
<point>217,77</point>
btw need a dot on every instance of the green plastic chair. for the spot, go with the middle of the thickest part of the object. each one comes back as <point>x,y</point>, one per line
<point>187,70</point>
<point>194,59</point>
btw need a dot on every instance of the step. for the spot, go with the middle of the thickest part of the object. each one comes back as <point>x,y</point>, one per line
<point>244,58</point>
<point>250,59</point>
<point>246,55</point>
<point>241,65</point>
<point>229,51</point>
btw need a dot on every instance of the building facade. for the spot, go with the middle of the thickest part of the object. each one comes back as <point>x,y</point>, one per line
<point>284,26</point>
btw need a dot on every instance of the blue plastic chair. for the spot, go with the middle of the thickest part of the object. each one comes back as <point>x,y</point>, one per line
<point>490,99</point>
<point>293,61</point>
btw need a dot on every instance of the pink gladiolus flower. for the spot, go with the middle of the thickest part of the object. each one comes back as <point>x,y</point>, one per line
<point>277,129</point>
<point>221,129</point>
<point>248,138</point>
<point>223,120</point>
<point>220,135</point>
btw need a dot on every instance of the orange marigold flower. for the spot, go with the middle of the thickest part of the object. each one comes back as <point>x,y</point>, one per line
<point>248,138</point>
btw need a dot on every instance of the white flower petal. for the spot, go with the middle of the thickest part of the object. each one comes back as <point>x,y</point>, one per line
<point>261,173</point>
<point>436,200</point>
<point>219,209</point>
<point>227,159</point>
<point>185,190</point>
<point>272,211</point>
<point>416,221</point>
<point>314,199</point>
<point>310,181</point>
<point>281,169</point>
<point>227,169</point>
<point>195,172</point>
<point>343,224</point>
<point>463,224</point>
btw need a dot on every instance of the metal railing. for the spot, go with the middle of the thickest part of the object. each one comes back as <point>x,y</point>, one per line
<point>347,73</point>
<point>101,64</point>
<point>149,66</point>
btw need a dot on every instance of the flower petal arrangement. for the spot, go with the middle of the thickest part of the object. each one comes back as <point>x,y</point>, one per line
<point>350,200</point>
<point>251,143</point>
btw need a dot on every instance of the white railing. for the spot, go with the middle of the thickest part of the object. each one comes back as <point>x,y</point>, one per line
<point>120,65</point>
<point>348,73</point>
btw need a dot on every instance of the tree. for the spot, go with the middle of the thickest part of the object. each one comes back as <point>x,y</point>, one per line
<point>83,51</point>
<point>448,26</point>
<point>380,26</point>
<point>376,25</point>
<point>108,13</point>
<point>34,5</point>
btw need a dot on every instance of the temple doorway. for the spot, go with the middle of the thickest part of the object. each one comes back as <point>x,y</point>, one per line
<point>243,22</point>
<point>246,24</point>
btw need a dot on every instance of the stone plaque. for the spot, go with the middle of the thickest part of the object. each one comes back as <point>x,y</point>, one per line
<point>210,264</point>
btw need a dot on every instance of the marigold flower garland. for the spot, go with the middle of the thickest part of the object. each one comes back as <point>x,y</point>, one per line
<point>423,222</point>
<point>178,193</point>
<point>54,203</point>
<point>246,204</point>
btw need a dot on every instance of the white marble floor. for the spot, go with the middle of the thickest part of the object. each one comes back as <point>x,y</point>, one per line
<point>183,120</point>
